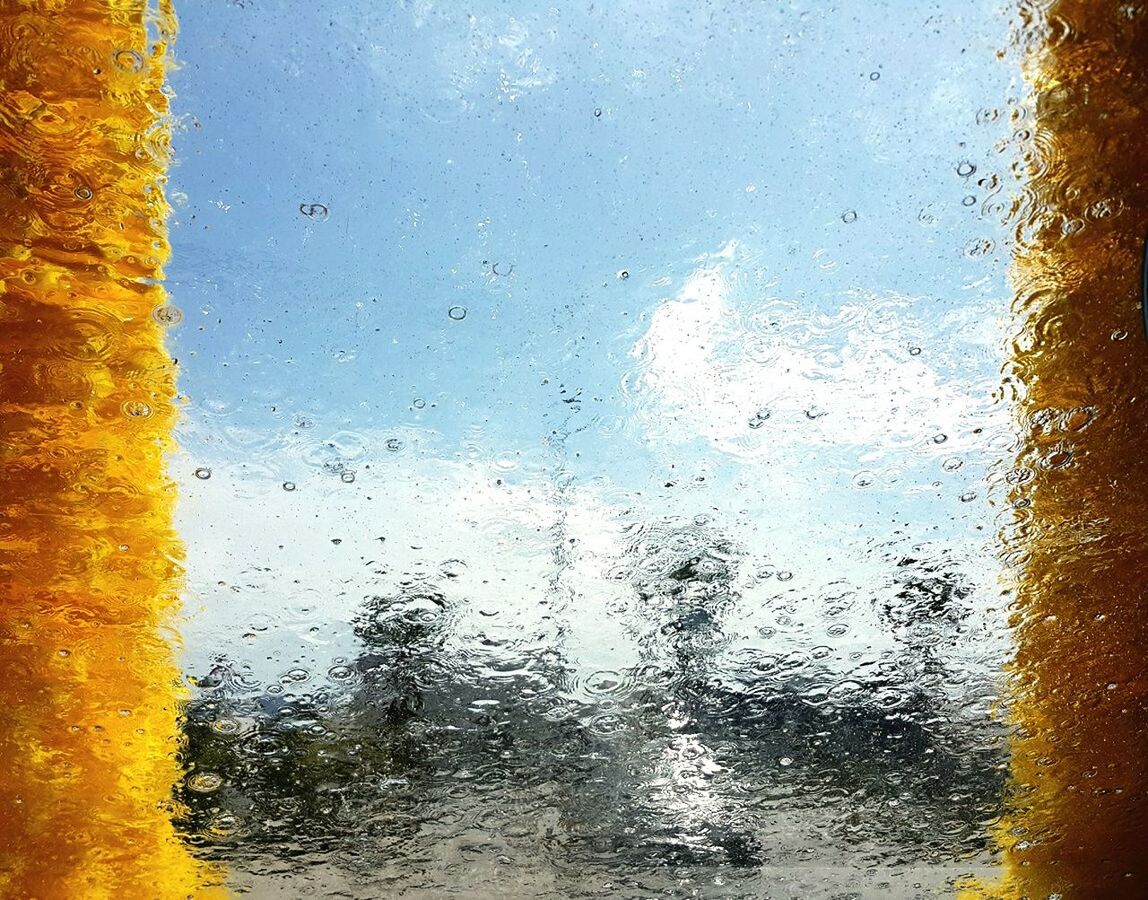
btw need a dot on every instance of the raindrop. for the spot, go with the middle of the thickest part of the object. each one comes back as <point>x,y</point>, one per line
<point>458,313</point>
<point>203,473</point>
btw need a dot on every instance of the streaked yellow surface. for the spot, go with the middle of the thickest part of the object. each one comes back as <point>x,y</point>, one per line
<point>1078,545</point>
<point>89,563</point>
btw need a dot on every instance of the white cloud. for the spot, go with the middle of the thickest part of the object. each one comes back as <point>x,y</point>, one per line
<point>770,379</point>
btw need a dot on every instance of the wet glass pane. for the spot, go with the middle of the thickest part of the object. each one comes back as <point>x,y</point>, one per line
<point>635,449</point>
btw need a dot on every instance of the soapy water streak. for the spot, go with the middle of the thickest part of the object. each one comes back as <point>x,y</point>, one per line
<point>1077,822</point>
<point>89,560</point>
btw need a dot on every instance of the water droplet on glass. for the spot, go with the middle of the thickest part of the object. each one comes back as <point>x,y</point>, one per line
<point>167,315</point>
<point>205,782</point>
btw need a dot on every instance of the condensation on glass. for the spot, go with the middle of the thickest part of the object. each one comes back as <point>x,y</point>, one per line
<point>623,450</point>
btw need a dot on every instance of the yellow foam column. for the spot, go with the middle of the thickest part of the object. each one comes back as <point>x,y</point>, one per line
<point>1077,548</point>
<point>89,562</point>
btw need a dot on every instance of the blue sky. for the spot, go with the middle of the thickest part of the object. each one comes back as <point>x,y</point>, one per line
<point>803,201</point>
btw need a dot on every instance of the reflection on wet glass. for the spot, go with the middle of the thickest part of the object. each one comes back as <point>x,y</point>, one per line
<point>594,468</point>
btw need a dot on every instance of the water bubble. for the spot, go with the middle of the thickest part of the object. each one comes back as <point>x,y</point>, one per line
<point>969,200</point>
<point>393,445</point>
<point>874,76</point>
<point>849,216</point>
<point>458,313</point>
<point>968,497</point>
<point>965,168</point>
<point>1118,335</point>
<point>419,403</point>
<point>597,112</point>
<point>784,575</point>
<point>623,274</point>
<point>952,464</point>
<point>864,479</point>
<point>940,438</point>
<point>347,477</point>
<point>288,485</point>
<point>83,192</point>
<point>314,210</point>
<point>203,473</point>
<point>785,761</point>
<point>914,351</point>
<point>136,409</point>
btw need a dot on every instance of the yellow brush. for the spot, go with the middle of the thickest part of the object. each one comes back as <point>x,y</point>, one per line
<point>89,563</point>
